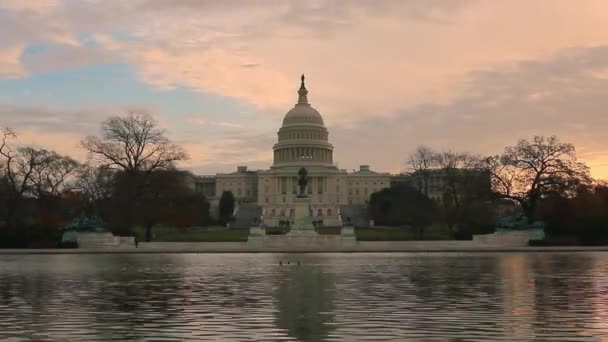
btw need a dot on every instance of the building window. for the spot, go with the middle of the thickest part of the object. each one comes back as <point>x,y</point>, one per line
<point>282,212</point>
<point>356,191</point>
<point>292,212</point>
<point>328,212</point>
<point>266,200</point>
<point>273,212</point>
<point>320,212</point>
<point>283,199</point>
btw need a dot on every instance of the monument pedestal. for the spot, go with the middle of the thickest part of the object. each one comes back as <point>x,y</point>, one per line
<point>302,223</point>
<point>302,235</point>
<point>510,237</point>
<point>347,234</point>
<point>257,235</point>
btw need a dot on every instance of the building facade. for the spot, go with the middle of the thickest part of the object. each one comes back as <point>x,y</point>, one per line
<point>303,142</point>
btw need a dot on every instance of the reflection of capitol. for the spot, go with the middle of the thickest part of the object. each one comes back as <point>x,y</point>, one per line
<point>303,141</point>
<point>305,302</point>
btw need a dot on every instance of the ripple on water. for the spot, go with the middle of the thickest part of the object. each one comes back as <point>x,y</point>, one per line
<point>330,297</point>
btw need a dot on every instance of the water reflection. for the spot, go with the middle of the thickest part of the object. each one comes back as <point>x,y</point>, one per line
<point>305,302</point>
<point>332,297</point>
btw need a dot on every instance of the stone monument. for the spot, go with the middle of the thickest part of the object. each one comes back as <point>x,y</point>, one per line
<point>513,230</point>
<point>302,235</point>
<point>302,222</point>
<point>91,232</point>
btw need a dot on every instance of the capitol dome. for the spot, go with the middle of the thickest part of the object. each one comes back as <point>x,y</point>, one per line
<point>302,112</point>
<point>303,137</point>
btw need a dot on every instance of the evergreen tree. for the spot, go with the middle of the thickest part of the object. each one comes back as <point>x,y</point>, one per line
<point>227,204</point>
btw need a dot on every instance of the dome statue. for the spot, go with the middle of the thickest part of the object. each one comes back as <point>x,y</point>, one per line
<point>303,112</point>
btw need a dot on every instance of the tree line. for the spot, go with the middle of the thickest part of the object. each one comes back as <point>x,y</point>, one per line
<point>129,179</point>
<point>539,179</point>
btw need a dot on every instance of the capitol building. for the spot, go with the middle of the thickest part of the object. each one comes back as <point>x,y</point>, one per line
<point>303,142</point>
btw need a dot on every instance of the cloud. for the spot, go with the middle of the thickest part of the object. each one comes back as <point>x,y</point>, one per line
<point>55,120</point>
<point>55,57</point>
<point>495,110</point>
<point>364,59</point>
<point>200,120</point>
<point>386,75</point>
<point>10,62</point>
<point>34,6</point>
<point>224,153</point>
<point>215,71</point>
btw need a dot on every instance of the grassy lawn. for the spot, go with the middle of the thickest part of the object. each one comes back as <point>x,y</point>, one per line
<point>402,234</point>
<point>168,234</point>
<point>436,232</point>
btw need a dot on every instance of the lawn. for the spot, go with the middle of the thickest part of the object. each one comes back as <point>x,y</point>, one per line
<point>169,234</point>
<point>436,232</point>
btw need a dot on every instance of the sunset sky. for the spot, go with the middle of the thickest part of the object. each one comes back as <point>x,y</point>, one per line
<point>387,76</point>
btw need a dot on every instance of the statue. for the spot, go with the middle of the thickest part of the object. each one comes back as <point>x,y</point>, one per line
<point>82,224</point>
<point>302,182</point>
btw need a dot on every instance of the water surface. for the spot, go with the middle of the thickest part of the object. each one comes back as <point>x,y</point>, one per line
<point>326,297</point>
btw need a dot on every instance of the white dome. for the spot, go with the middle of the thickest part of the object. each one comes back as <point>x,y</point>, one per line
<point>302,113</point>
<point>303,138</point>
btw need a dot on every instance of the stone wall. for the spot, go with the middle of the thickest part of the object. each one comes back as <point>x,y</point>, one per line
<point>104,240</point>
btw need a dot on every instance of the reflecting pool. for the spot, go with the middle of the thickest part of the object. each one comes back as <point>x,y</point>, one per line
<point>305,297</point>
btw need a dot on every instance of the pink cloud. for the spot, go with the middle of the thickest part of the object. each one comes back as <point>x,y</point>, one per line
<point>10,62</point>
<point>35,6</point>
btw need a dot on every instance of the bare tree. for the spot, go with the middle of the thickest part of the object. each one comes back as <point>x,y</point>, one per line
<point>18,165</point>
<point>52,172</point>
<point>530,170</point>
<point>8,158</point>
<point>133,143</point>
<point>135,146</point>
<point>29,171</point>
<point>462,184</point>
<point>421,163</point>
<point>97,183</point>
<point>458,169</point>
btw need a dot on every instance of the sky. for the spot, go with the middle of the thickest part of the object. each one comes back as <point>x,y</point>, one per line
<point>387,76</point>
